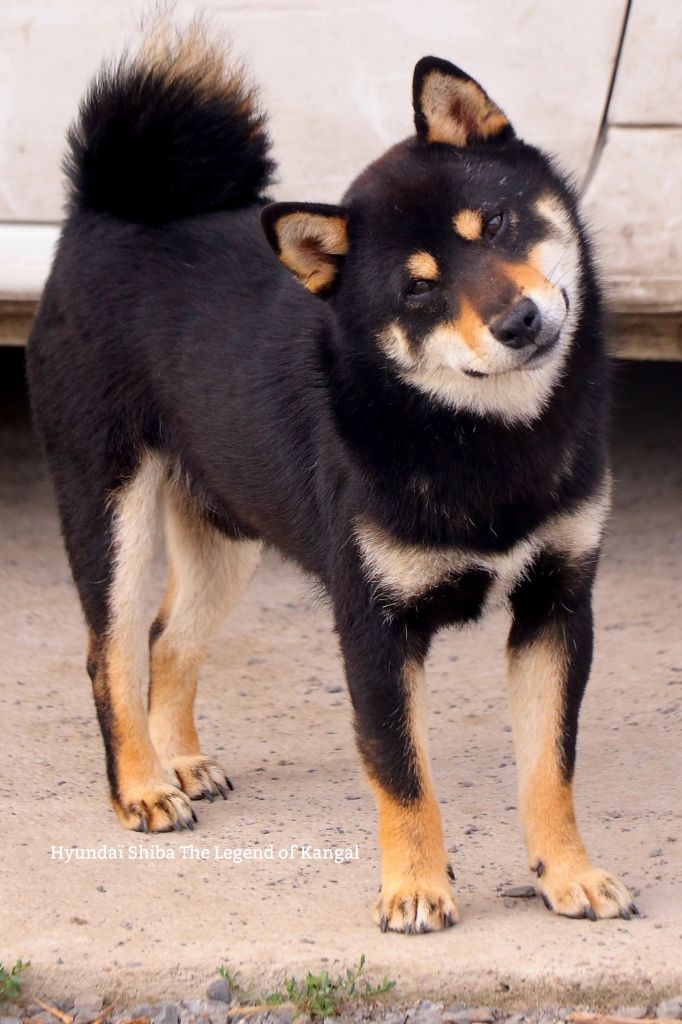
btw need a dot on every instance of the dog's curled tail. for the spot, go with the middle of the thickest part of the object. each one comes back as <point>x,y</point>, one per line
<point>171,132</point>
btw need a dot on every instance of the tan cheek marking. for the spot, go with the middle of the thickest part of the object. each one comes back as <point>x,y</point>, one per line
<point>526,276</point>
<point>423,266</point>
<point>469,326</point>
<point>395,343</point>
<point>550,208</point>
<point>468,224</point>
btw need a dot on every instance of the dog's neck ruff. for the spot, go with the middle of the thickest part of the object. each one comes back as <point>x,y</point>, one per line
<point>517,397</point>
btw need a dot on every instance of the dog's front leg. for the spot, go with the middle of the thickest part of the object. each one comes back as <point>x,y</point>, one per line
<point>385,673</point>
<point>550,652</point>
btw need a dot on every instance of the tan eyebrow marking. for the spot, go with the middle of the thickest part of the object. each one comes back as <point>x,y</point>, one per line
<point>422,265</point>
<point>468,224</point>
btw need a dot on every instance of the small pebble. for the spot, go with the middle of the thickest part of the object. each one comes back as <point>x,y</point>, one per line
<point>671,1008</point>
<point>88,1002</point>
<point>143,1010</point>
<point>477,1015</point>
<point>425,1012</point>
<point>283,1016</point>
<point>220,990</point>
<point>168,1013</point>
<point>520,892</point>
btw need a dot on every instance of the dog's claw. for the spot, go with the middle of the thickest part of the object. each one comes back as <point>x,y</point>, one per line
<point>589,912</point>
<point>451,873</point>
<point>540,868</point>
<point>229,784</point>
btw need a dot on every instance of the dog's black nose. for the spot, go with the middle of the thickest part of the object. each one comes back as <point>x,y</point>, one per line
<point>520,327</point>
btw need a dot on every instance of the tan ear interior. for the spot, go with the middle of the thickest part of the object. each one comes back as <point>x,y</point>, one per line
<point>457,111</point>
<point>309,244</point>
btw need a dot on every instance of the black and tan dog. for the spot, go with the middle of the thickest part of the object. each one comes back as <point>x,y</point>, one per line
<point>409,404</point>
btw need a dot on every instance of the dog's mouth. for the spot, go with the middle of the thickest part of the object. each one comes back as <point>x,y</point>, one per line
<point>534,360</point>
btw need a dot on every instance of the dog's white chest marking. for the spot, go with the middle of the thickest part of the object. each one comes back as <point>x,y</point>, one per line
<point>408,571</point>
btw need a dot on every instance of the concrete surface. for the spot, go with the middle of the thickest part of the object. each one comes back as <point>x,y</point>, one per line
<point>273,708</point>
<point>335,77</point>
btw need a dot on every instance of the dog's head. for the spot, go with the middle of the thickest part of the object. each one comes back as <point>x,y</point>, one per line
<point>455,256</point>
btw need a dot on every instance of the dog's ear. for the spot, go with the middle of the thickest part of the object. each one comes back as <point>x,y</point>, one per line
<point>451,107</point>
<point>310,239</point>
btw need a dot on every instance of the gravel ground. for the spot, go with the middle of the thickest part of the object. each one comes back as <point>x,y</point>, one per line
<point>153,926</point>
<point>221,1005</point>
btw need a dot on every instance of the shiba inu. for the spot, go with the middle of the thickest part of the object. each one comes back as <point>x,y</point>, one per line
<point>409,403</point>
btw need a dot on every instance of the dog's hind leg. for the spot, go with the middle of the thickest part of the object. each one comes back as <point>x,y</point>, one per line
<point>550,650</point>
<point>110,536</point>
<point>209,572</point>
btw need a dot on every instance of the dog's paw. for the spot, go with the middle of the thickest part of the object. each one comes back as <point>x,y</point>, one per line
<point>417,908</point>
<point>156,808</point>
<point>201,778</point>
<point>584,892</point>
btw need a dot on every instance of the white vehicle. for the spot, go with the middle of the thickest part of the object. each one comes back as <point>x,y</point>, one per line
<point>598,82</point>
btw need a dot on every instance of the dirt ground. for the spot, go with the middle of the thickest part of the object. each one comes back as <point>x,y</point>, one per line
<point>272,706</point>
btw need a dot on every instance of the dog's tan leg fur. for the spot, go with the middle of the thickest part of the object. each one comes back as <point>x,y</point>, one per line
<point>415,888</point>
<point>566,876</point>
<point>209,573</point>
<point>144,794</point>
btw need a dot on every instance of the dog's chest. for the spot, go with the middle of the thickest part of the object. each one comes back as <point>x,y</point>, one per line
<point>405,573</point>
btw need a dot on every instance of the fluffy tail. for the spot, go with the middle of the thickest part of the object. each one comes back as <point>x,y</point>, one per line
<point>169,133</point>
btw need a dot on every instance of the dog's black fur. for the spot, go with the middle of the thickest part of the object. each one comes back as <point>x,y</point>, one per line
<point>167,325</point>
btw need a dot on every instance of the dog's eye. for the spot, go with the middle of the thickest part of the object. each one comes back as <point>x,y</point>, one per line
<point>494,226</point>
<point>421,287</point>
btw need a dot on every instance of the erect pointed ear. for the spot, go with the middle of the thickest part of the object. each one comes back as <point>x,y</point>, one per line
<point>310,239</point>
<point>451,107</point>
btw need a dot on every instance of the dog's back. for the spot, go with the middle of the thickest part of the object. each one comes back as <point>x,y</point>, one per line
<point>156,326</point>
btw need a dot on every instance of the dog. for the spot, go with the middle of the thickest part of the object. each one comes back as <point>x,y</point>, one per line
<point>409,403</point>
